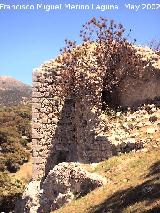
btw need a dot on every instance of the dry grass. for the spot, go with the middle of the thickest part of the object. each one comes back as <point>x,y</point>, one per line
<point>133,186</point>
<point>25,172</point>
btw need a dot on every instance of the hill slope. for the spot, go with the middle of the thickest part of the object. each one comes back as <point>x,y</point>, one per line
<point>13,92</point>
<point>133,186</point>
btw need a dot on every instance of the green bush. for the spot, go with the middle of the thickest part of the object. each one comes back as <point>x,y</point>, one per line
<point>10,191</point>
<point>15,133</point>
<point>15,125</point>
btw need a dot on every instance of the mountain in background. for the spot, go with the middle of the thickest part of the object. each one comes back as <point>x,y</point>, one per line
<point>13,92</point>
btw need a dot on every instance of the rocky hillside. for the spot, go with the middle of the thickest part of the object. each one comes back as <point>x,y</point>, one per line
<point>13,92</point>
<point>128,129</point>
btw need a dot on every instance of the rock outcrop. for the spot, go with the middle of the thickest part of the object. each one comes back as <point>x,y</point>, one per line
<point>64,182</point>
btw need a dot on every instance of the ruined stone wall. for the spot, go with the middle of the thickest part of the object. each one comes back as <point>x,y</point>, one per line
<point>63,130</point>
<point>44,117</point>
<point>135,89</point>
<point>93,146</point>
<point>134,93</point>
<point>68,130</point>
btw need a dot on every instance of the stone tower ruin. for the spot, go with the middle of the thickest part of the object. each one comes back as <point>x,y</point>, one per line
<point>65,130</point>
<point>62,130</point>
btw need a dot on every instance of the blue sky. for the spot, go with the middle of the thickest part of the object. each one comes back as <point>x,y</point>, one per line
<point>30,37</point>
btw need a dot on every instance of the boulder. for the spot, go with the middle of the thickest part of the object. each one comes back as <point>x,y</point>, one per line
<point>63,183</point>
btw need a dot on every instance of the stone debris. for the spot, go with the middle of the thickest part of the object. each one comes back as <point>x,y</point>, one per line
<point>65,182</point>
<point>136,128</point>
<point>149,56</point>
<point>29,202</point>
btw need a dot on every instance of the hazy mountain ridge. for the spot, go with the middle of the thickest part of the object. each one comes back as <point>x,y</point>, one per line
<point>13,92</point>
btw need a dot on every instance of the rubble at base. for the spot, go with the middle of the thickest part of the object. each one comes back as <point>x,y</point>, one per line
<point>64,182</point>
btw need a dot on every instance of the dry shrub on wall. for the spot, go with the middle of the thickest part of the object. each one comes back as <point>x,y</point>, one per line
<point>101,62</point>
<point>154,45</point>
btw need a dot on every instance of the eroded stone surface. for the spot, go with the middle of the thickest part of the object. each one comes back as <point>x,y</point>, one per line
<point>63,183</point>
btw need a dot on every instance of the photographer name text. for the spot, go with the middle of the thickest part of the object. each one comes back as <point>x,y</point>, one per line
<point>100,7</point>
